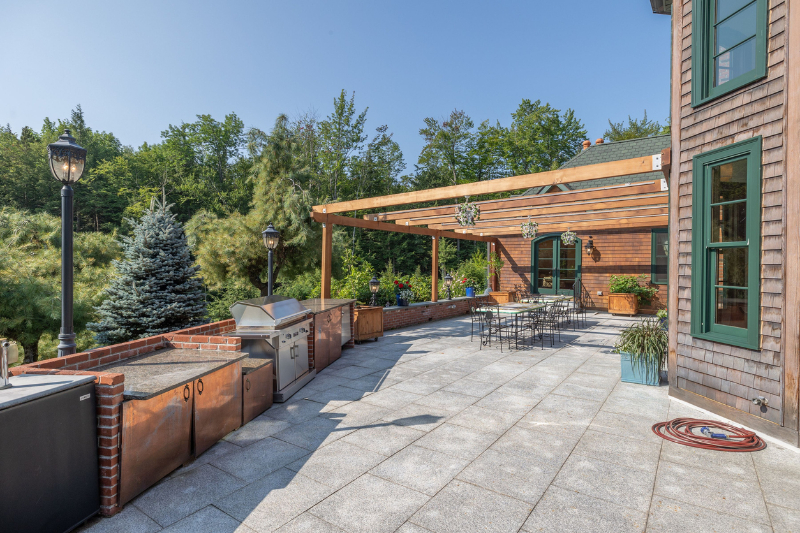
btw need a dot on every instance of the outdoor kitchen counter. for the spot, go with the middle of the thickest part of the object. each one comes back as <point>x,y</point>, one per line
<point>147,376</point>
<point>319,305</point>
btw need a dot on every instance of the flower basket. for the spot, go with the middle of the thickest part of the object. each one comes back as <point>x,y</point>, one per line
<point>467,213</point>
<point>568,238</point>
<point>530,229</point>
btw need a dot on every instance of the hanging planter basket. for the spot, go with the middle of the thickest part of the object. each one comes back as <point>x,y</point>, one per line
<point>568,238</point>
<point>530,229</point>
<point>467,213</point>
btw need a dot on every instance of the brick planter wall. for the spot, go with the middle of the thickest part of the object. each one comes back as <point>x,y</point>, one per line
<point>420,313</point>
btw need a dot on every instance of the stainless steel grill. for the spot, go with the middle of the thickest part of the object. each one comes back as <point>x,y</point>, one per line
<point>276,328</point>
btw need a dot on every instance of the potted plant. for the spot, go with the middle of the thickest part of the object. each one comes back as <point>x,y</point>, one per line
<point>469,285</point>
<point>404,293</point>
<point>643,350</point>
<point>626,292</point>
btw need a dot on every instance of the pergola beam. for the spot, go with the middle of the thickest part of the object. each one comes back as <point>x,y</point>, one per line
<point>338,220</point>
<point>573,216</point>
<point>599,193</point>
<point>654,221</point>
<point>626,167</point>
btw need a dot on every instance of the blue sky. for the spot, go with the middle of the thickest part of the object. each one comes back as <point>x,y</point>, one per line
<point>136,67</point>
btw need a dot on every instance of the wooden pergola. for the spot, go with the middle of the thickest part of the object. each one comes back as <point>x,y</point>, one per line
<point>631,205</point>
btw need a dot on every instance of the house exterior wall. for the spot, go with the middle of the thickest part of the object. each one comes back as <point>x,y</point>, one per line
<point>716,376</point>
<point>616,252</point>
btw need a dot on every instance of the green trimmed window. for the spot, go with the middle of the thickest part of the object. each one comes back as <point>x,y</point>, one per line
<point>659,250</point>
<point>726,244</point>
<point>729,46</point>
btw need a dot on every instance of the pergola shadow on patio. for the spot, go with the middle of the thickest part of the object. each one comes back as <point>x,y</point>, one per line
<point>424,431</point>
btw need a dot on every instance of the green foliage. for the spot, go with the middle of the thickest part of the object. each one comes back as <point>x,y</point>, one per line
<point>30,279</point>
<point>495,263</point>
<point>303,286</point>
<point>634,129</point>
<point>355,283</point>
<point>647,343</point>
<point>156,288</point>
<point>630,284</point>
<point>220,300</point>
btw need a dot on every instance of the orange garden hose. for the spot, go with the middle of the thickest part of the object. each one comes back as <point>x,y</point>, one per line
<point>709,435</point>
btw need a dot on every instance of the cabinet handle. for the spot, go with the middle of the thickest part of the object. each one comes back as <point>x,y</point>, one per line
<point>200,386</point>
<point>246,384</point>
<point>186,393</point>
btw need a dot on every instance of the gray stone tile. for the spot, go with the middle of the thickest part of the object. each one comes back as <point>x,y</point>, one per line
<point>581,391</point>
<point>352,372</point>
<point>273,500</point>
<point>421,417</point>
<point>257,429</point>
<point>313,433</point>
<point>397,373</point>
<point>356,415</point>
<point>180,496</point>
<point>512,403</point>
<point>632,453</point>
<point>218,450</point>
<point>735,495</point>
<point>625,426</point>
<point>260,459</point>
<point>370,505</point>
<point>408,527</point>
<point>308,523</point>
<point>420,386</point>
<point>593,381</point>
<point>607,481</point>
<point>324,380</point>
<point>670,516</point>
<point>710,461</point>
<point>561,415</point>
<point>566,511</point>
<point>471,387</point>
<point>486,420</point>
<point>779,474</point>
<point>464,508</point>
<point>450,401</point>
<point>507,474</point>
<point>536,445</point>
<point>784,520</point>
<point>295,412</point>
<point>458,441</point>
<point>335,397</point>
<point>371,383</point>
<point>392,398</point>
<point>208,520</point>
<point>129,520</point>
<point>337,464</point>
<point>420,469</point>
<point>384,438</point>
<point>497,372</point>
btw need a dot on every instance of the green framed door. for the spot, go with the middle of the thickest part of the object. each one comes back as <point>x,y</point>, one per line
<point>554,266</point>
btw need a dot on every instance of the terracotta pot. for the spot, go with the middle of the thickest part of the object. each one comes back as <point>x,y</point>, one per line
<point>623,304</point>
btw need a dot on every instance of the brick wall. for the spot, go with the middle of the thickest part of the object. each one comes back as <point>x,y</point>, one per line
<point>616,252</point>
<point>401,317</point>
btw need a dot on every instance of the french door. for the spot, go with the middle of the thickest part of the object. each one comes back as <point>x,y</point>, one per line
<point>554,267</point>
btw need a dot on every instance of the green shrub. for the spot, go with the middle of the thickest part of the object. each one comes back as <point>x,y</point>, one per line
<point>630,284</point>
<point>647,344</point>
<point>219,301</point>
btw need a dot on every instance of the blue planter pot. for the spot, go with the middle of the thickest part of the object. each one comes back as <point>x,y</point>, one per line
<point>470,292</point>
<point>399,301</point>
<point>637,374</point>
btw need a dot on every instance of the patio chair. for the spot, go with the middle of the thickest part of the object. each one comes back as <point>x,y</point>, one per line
<point>492,324</point>
<point>578,302</point>
<point>475,315</point>
<point>534,323</point>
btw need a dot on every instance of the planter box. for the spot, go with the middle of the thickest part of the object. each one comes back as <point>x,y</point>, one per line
<point>637,374</point>
<point>502,297</point>
<point>368,323</point>
<point>623,304</point>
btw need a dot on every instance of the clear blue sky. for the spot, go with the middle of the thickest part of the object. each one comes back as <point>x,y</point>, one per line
<point>136,67</point>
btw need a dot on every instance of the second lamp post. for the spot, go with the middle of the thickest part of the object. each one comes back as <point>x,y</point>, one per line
<point>271,239</point>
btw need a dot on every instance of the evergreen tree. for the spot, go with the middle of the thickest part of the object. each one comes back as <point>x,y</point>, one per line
<point>156,289</point>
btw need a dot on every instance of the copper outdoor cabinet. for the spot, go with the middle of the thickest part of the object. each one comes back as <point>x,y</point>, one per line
<point>257,383</point>
<point>328,337</point>
<point>217,406</point>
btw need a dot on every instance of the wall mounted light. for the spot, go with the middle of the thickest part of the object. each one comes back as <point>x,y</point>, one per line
<point>589,246</point>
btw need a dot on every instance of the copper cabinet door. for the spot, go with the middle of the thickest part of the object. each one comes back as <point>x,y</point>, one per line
<point>321,341</point>
<point>335,335</point>
<point>156,439</point>
<point>217,406</point>
<point>256,392</point>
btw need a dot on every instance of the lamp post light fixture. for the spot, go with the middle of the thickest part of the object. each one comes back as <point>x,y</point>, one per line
<point>374,285</point>
<point>589,246</point>
<point>271,239</point>
<point>448,280</point>
<point>67,160</point>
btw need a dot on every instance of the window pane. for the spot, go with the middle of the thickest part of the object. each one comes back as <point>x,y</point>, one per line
<point>567,263</point>
<point>729,182</point>
<point>660,266</point>
<point>731,308</point>
<point>729,222</point>
<point>733,64</point>
<point>566,284</point>
<point>726,7</point>
<point>736,29</point>
<point>545,263</point>
<point>731,267</point>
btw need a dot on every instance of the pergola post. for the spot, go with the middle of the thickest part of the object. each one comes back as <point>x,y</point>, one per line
<point>492,272</point>
<point>435,270</point>
<point>327,256</point>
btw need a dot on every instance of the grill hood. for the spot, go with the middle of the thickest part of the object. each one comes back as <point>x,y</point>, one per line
<point>266,312</point>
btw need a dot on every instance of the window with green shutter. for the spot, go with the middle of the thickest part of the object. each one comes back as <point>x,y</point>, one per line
<point>729,46</point>
<point>726,244</point>
<point>659,251</point>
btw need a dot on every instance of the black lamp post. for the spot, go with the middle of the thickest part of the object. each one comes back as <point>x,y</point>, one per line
<point>271,239</point>
<point>448,280</point>
<point>374,285</point>
<point>67,160</point>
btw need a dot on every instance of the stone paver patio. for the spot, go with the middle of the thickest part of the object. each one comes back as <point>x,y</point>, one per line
<point>422,431</point>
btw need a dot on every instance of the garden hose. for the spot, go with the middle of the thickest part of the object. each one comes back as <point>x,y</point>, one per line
<point>709,435</point>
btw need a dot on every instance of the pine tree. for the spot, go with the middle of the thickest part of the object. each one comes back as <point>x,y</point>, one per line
<point>156,289</point>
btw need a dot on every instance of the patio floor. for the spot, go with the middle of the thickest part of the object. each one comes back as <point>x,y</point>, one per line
<point>422,431</point>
